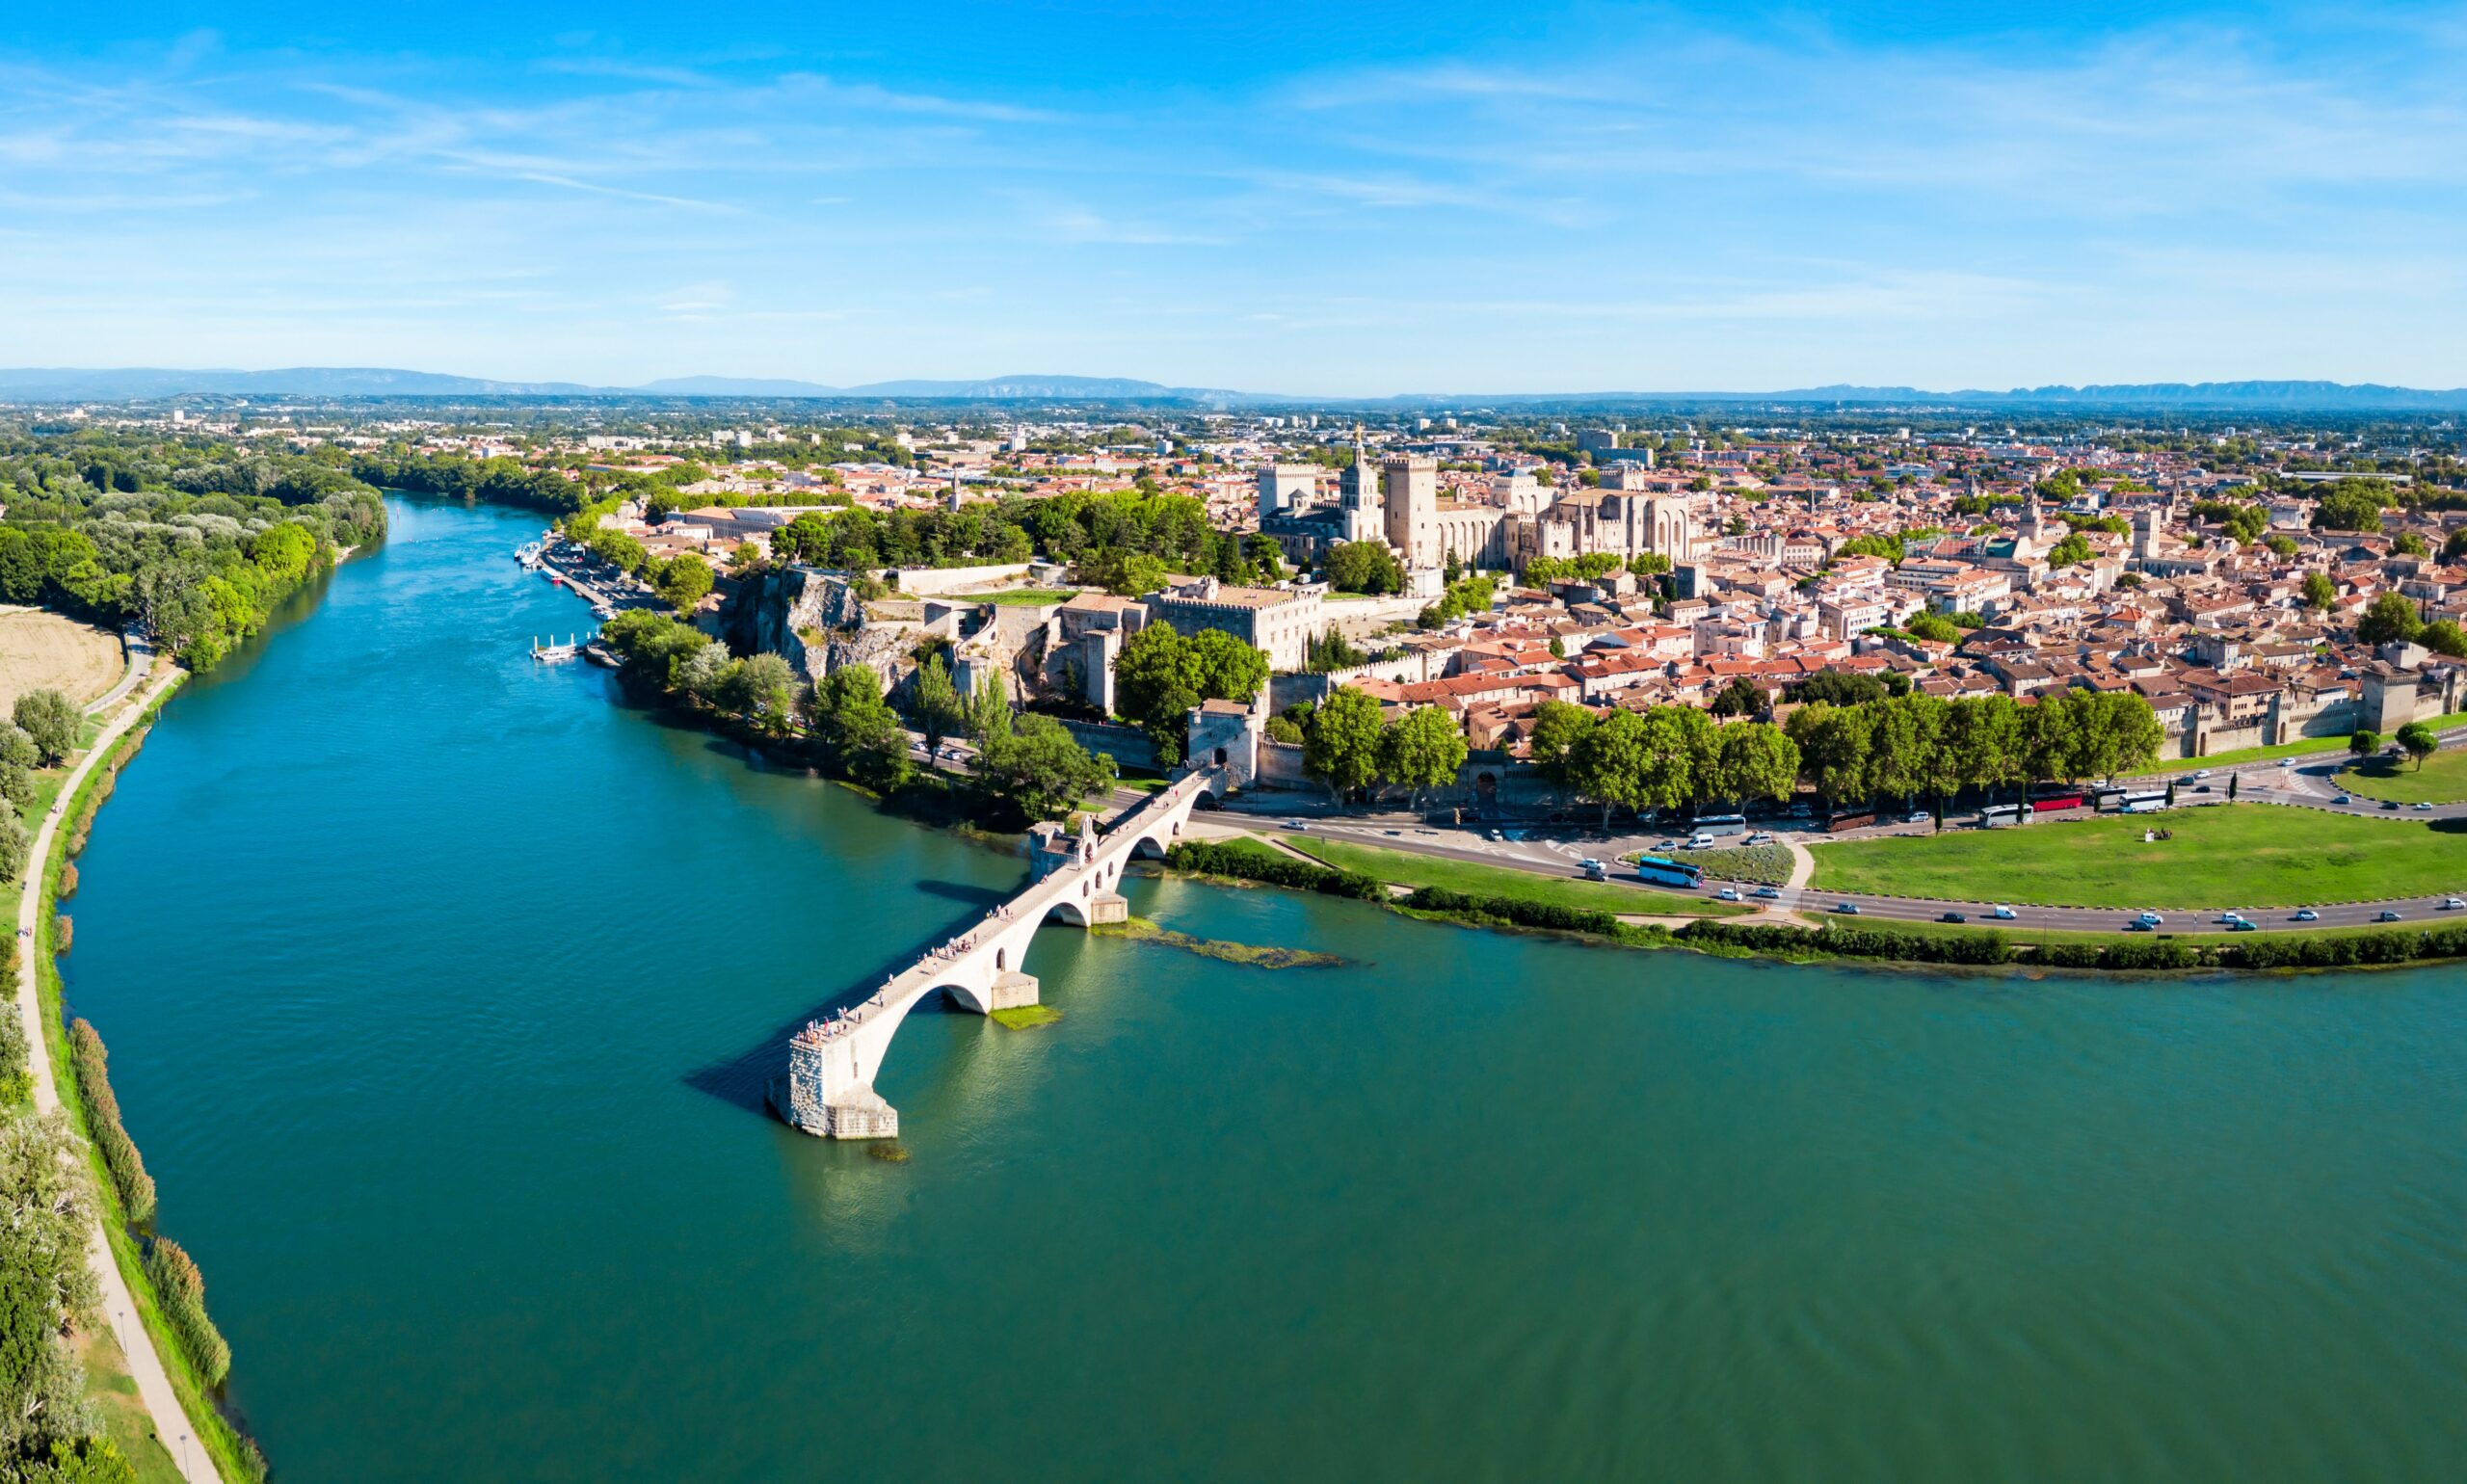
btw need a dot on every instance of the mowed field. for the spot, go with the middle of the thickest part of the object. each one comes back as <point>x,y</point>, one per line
<point>43,650</point>
<point>2238,855</point>
<point>2442,780</point>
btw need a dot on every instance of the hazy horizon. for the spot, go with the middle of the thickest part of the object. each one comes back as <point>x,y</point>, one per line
<point>1540,201</point>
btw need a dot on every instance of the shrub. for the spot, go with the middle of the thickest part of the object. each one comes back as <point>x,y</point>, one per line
<point>1512,910</point>
<point>1252,863</point>
<point>67,881</point>
<point>63,932</point>
<point>182,1289</point>
<point>90,1063</point>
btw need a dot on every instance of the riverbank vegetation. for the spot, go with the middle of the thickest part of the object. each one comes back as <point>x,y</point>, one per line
<point>195,537</point>
<point>1027,767</point>
<point>195,1368</point>
<point>2242,855</point>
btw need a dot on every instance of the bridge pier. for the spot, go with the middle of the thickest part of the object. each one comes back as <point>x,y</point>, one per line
<point>822,1094</point>
<point>1007,992</point>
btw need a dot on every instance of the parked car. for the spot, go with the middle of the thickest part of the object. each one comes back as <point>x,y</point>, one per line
<point>2002,915</point>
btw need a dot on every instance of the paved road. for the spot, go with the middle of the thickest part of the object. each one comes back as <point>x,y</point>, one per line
<point>141,660</point>
<point>153,1385</point>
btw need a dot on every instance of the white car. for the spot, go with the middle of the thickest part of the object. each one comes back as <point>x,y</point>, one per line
<point>2002,915</point>
<point>1297,824</point>
<point>2150,919</point>
<point>1916,818</point>
<point>2307,915</point>
<point>2452,903</point>
<point>2230,919</point>
<point>1727,894</point>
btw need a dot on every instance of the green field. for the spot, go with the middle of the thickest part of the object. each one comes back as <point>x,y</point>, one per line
<point>1406,869</point>
<point>2442,780</point>
<point>2248,855</point>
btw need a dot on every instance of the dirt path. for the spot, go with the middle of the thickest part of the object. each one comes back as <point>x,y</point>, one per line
<point>153,1385</point>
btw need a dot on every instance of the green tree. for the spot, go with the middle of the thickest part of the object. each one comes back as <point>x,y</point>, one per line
<point>1679,766</point>
<point>2390,618</point>
<point>933,706</point>
<point>2364,742</point>
<point>1833,743</point>
<point>1365,567</point>
<point>763,690</point>
<point>1422,751</point>
<point>683,582</point>
<point>1608,763</point>
<point>2419,740</point>
<point>52,721</point>
<point>1741,697</point>
<point>1341,746</point>
<point>1757,760</point>
<point>1558,726</point>
<point>2319,591</point>
<point>2442,636</point>
<point>2073,550</point>
<point>1161,675</point>
<point>1928,626</point>
<point>2409,543</point>
<point>1983,736</point>
<point>2454,547</point>
<point>2348,509</point>
<point>1042,769</point>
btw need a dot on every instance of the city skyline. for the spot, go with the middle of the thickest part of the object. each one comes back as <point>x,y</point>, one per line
<point>1580,198</point>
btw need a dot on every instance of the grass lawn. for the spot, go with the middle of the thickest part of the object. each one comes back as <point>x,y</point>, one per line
<point>1406,869</point>
<point>2239,854</point>
<point>2442,780</point>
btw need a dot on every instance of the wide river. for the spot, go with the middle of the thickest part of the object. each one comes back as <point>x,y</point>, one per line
<point>439,987</point>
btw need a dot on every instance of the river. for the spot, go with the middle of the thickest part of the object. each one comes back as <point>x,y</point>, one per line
<point>439,986</point>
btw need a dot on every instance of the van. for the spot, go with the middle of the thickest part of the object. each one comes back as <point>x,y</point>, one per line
<point>1698,841</point>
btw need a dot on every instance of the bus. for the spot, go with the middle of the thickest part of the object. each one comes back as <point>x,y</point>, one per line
<point>1663,871</point>
<point>1996,814</point>
<point>1721,824</point>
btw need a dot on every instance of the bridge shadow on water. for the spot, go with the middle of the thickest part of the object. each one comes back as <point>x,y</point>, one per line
<point>744,1078</point>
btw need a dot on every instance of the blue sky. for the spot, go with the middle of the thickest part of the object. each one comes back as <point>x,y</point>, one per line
<point>1360,198</point>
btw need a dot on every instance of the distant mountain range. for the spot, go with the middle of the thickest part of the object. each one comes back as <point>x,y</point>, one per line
<point>147,384</point>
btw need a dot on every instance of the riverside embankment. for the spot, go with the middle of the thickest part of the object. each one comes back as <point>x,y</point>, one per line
<point>440,988</point>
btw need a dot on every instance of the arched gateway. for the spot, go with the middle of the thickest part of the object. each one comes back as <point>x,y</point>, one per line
<point>828,1088</point>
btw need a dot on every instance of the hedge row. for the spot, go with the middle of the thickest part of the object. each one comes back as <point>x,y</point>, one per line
<point>181,1287</point>
<point>1852,942</point>
<point>2139,954</point>
<point>91,1063</point>
<point>1513,910</point>
<point>1256,863</point>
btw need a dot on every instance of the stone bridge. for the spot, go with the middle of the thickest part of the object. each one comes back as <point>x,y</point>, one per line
<point>828,1088</point>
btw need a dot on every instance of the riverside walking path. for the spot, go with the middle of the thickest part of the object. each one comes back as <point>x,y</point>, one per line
<point>153,1385</point>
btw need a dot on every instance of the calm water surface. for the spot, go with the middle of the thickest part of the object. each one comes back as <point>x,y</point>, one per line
<point>440,988</point>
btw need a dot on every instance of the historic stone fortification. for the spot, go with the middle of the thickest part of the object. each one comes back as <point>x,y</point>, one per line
<point>828,1088</point>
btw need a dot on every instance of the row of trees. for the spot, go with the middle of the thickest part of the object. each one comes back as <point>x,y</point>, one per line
<point>1670,757</point>
<point>2417,739</point>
